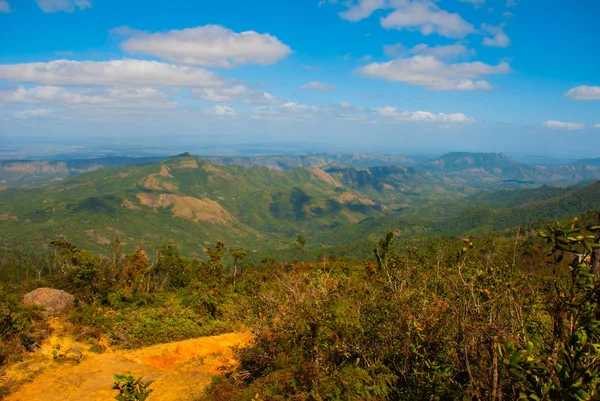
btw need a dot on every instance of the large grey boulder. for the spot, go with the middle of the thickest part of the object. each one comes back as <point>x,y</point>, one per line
<point>55,302</point>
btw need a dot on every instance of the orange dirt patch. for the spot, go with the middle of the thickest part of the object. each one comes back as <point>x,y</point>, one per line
<point>325,177</point>
<point>188,207</point>
<point>181,370</point>
<point>129,205</point>
<point>188,164</point>
<point>6,216</point>
<point>350,196</point>
<point>159,181</point>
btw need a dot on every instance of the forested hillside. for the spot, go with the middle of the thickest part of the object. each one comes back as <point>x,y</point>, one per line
<point>190,202</point>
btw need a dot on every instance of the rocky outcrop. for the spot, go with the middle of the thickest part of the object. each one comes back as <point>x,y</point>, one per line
<point>55,302</point>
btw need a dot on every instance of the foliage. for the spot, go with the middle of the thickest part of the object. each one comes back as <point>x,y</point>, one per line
<point>575,371</point>
<point>131,389</point>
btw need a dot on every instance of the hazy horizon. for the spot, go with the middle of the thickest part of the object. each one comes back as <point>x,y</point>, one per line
<point>395,76</point>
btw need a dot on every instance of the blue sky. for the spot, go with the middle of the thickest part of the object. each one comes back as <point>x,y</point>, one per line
<point>394,75</point>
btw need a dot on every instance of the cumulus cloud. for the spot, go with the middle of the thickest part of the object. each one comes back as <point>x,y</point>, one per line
<point>140,98</point>
<point>424,16</point>
<point>553,124</point>
<point>110,73</point>
<point>210,45</point>
<point>34,113</point>
<point>238,93</point>
<point>597,126</point>
<point>423,116</point>
<point>441,52</point>
<point>584,92</point>
<point>345,104</point>
<point>497,36</point>
<point>448,52</point>
<point>69,6</point>
<point>5,7</point>
<point>427,18</point>
<point>363,9</point>
<point>288,111</point>
<point>434,74</point>
<point>316,86</point>
<point>221,111</point>
<point>394,50</point>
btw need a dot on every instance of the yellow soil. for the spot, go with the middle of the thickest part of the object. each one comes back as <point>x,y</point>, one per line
<point>188,207</point>
<point>159,181</point>
<point>7,216</point>
<point>181,370</point>
<point>188,164</point>
<point>325,177</point>
<point>164,171</point>
<point>129,205</point>
<point>350,196</point>
<point>216,171</point>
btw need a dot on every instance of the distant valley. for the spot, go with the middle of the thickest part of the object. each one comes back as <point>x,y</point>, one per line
<point>264,202</point>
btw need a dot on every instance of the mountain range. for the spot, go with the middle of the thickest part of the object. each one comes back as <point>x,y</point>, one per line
<point>192,202</point>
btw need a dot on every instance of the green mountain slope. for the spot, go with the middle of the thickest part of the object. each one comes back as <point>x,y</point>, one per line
<point>192,202</point>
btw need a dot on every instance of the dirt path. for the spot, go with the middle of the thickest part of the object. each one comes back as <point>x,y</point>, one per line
<point>181,370</point>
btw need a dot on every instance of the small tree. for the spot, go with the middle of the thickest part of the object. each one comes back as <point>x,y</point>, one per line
<point>136,264</point>
<point>300,243</point>
<point>575,372</point>
<point>214,267</point>
<point>237,254</point>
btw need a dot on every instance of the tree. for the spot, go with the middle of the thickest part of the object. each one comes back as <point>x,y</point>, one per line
<point>300,243</point>
<point>134,268</point>
<point>237,254</point>
<point>214,267</point>
<point>575,374</point>
<point>170,269</point>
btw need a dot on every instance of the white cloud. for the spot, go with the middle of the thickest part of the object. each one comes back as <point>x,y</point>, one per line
<point>221,111</point>
<point>497,36</point>
<point>597,126</point>
<point>210,45</point>
<point>448,52</point>
<point>426,17</point>
<point>34,113</point>
<point>422,15</point>
<point>5,7</point>
<point>508,14</point>
<point>434,74</point>
<point>297,107</point>
<point>553,124</point>
<point>319,87</point>
<point>440,52</point>
<point>127,72</point>
<point>52,6</point>
<point>111,98</point>
<point>345,104</point>
<point>584,92</point>
<point>394,50</point>
<point>363,9</point>
<point>423,116</point>
<point>288,111</point>
<point>238,93</point>
<point>476,3</point>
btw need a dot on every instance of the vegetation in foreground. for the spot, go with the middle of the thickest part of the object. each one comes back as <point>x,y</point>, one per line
<point>489,318</point>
